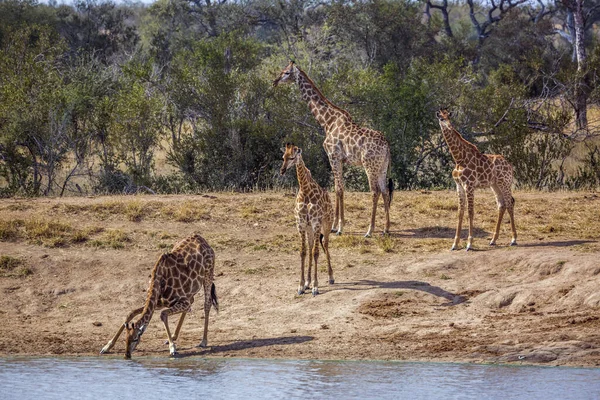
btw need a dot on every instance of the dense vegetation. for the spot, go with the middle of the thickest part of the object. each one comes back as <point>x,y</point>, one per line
<point>90,93</point>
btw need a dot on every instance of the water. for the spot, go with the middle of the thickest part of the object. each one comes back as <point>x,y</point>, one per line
<point>193,378</point>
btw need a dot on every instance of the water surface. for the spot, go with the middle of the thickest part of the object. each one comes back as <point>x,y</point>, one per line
<point>193,378</point>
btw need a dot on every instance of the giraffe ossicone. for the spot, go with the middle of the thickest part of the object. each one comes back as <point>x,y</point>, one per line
<point>346,143</point>
<point>314,213</point>
<point>475,170</point>
<point>176,278</point>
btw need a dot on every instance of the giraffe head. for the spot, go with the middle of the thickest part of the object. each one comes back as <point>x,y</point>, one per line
<point>288,75</point>
<point>443,116</point>
<point>133,334</point>
<point>291,154</point>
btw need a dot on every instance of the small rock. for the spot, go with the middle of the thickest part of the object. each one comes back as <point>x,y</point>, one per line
<point>294,331</point>
<point>324,326</point>
<point>96,323</point>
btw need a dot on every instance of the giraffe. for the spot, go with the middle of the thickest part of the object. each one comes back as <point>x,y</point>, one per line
<point>314,214</point>
<point>474,169</point>
<point>346,143</point>
<point>175,279</point>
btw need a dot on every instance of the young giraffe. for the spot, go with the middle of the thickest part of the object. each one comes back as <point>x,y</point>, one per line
<point>474,169</point>
<point>314,214</point>
<point>346,143</point>
<point>176,278</point>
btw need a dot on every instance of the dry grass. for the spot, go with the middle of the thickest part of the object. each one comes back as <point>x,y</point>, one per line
<point>421,221</point>
<point>13,267</point>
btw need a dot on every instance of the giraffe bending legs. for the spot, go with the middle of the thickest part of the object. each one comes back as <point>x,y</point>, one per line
<point>179,324</point>
<point>182,306</point>
<point>112,341</point>
<point>462,199</point>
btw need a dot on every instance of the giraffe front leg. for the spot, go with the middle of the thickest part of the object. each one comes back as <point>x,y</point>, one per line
<point>338,221</point>
<point>179,307</point>
<point>311,237</point>
<point>470,208</point>
<point>114,339</point>
<point>326,250</point>
<point>179,324</point>
<point>315,256</point>
<point>461,212</point>
<point>301,286</point>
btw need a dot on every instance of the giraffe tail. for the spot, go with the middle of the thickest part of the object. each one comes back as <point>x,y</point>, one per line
<point>213,296</point>
<point>391,189</point>
<point>321,240</point>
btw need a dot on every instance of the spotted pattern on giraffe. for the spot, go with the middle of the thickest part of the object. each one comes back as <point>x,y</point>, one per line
<point>176,278</point>
<point>346,143</point>
<point>314,214</point>
<point>477,170</point>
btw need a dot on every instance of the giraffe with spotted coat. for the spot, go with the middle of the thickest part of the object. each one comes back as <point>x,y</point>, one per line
<point>176,278</point>
<point>314,214</point>
<point>474,170</point>
<point>346,143</point>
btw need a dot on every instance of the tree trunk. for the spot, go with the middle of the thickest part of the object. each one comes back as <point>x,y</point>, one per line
<point>581,87</point>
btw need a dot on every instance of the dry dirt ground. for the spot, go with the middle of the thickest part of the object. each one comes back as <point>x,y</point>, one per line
<point>72,268</point>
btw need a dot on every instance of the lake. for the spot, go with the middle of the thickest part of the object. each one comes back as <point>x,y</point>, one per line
<point>191,378</point>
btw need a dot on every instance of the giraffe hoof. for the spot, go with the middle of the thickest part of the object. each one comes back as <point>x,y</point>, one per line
<point>367,235</point>
<point>513,243</point>
<point>468,248</point>
<point>338,233</point>
<point>453,248</point>
<point>202,344</point>
<point>300,292</point>
<point>172,349</point>
<point>106,348</point>
<point>315,291</point>
<point>492,243</point>
<point>331,281</point>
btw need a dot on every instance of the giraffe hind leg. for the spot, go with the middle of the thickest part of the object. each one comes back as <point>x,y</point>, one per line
<point>179,307</point>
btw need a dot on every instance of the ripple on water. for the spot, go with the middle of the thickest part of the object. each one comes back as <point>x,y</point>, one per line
<point>158,378</point>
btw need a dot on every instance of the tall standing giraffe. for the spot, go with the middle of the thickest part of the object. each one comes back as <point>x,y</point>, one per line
<point>176,278</point>
<point>313,216</point>
<point>474,169</point>
<point>346,143</point>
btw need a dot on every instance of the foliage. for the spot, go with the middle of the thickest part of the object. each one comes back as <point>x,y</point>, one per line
<point>93,94</point>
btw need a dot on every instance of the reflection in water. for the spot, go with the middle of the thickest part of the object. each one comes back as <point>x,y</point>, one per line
<point>151,378</point>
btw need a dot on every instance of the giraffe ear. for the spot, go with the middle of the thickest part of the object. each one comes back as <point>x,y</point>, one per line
<point>438,114</point>
<point>450,114</point>
<point>298,150</point>
<point>282,149</point>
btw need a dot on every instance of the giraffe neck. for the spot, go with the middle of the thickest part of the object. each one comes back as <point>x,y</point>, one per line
<point>459,147</point>
<point>152,297</point>
<point>325,112</point>
<point>303,175</point>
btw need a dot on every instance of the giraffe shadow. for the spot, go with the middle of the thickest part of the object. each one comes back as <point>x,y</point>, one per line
<point>247,344</point>
<point>365,284</point>
<point>560,243</point>
<point>442,232</point>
